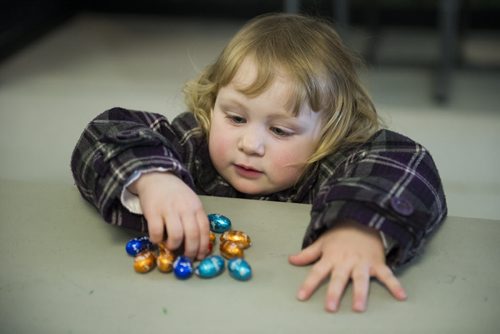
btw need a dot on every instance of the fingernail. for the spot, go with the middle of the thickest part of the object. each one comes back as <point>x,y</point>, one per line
<point>332,306</point>
<point>301,295</point>
<point>359,307</point>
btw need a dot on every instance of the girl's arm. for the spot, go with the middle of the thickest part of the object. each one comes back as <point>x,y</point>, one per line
<point>388,188</point>
<point>116,144</point>
<point>390,184</point>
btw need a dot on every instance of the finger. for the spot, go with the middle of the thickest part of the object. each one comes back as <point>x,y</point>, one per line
<point>175,232</point>
<point>204,228</point>
<point>316,276</point>
<point>156,227</point>
<point>386,277</point>
<point>307,255</point>
<point>338,281</point>
<point>191,236</point>
<point>361,286</point>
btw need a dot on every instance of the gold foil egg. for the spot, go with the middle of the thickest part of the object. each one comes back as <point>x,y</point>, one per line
<point>238,237</point>
<point>230,250</point>
<point>144,261</point>
<point>162,246</point>
<point>165,261</point>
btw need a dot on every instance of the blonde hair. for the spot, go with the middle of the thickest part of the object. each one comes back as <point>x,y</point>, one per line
<point>321,69</point>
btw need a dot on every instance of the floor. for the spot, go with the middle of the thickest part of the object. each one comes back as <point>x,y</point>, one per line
<point>52,88</point>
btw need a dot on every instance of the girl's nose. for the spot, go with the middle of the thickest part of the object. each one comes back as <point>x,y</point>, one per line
<point>252,143</point>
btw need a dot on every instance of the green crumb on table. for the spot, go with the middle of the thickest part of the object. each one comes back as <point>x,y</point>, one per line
<point>164,310</point>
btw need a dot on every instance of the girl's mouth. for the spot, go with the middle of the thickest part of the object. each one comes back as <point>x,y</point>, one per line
<point>247,171</point>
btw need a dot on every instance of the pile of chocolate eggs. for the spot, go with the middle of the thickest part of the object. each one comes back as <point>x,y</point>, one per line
<point>232,246</point>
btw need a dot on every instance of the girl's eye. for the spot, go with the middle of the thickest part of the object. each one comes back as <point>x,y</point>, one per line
<point>280,132</point>
<point>236,119</point>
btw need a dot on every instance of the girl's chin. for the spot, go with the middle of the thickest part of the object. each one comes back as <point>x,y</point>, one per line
<point>249,188</point>
<point>253,189</point>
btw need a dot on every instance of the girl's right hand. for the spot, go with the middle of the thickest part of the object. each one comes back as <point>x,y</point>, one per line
<point>170,206</point>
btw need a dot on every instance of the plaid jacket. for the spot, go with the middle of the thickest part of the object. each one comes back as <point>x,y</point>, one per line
<point>389,183</point>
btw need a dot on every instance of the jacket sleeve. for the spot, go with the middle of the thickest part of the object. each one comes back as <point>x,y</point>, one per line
<point>389,183</point>
<point>114,145</point>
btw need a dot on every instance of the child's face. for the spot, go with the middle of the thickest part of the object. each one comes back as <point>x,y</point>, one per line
<point>256,143</point>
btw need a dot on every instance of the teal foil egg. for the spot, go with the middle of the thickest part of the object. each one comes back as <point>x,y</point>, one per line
<point>210,267</point>
<point>219,223</point>
<point>239,269</point>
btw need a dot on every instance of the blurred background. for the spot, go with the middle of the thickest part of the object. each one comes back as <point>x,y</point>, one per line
<point>432,67</point>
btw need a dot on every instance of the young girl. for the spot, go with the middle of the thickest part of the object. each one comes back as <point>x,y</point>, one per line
<point>280,115</point>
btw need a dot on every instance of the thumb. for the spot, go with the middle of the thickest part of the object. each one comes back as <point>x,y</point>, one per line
<point>307,255</point>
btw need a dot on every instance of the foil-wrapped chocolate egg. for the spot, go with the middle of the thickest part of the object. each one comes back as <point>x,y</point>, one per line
<point>146,241</point>
<point>183,267</point>
<point>210,266</point>
<point>165,261</point>
<point>144,261</point>
<point>230,250</point>
<point>219,223</point>
<point>212,238</point>
<point>137,245</point>
<point>238,237</point>
<point>211,242</point>
<point>239,269</point>
<point>162,246</point>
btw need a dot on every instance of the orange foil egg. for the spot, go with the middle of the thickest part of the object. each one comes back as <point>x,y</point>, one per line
<point>240,238</point>
<point>212,238</point>
<point>144,261</point>
<point>211,242</point>
<point>165,261</point>
<point>230,250</point>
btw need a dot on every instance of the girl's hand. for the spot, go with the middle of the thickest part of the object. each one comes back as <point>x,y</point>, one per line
<point>170,206</point>
<point>348,252</point>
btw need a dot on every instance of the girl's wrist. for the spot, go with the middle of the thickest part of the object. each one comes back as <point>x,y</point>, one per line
<point>136,187</point>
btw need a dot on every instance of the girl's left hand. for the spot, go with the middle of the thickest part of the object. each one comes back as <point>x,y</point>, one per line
<point>348,252</point>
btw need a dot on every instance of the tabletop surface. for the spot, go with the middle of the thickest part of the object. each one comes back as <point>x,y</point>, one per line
<point>65,271</point>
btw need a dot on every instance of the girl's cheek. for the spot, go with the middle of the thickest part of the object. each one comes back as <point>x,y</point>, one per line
<point>218,144</point>
<point>291,157</point>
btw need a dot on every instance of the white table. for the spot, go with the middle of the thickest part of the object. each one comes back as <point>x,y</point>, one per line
<point>65,271</point>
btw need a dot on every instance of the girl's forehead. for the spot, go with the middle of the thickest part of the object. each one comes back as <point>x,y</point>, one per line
<point>249,73</point>
<point>277,92</point>
<point>253,78</point>
<point>246,74</point>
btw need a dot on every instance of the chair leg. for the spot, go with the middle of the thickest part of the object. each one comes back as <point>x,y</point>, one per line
<point>448,28</point>
<point>341,16</point>
<point>291,6</point>
<point>375,30</point>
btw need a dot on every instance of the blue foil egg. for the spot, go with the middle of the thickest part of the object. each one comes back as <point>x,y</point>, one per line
<point>210,266</point>
<point>147,244</point>
<point>183,267</point>
<point>219,223</point>
<point>137,245</point>
<point>239,269</point>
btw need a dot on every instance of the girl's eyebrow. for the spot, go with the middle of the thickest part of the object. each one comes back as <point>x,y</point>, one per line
<point>231,102</point>
<point>289,121</point>
<point>281,116</point>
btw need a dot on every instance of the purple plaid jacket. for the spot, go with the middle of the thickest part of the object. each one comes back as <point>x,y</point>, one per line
<point>389,183</point>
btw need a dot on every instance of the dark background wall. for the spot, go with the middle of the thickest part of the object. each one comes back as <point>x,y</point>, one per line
<point>22,21</point>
